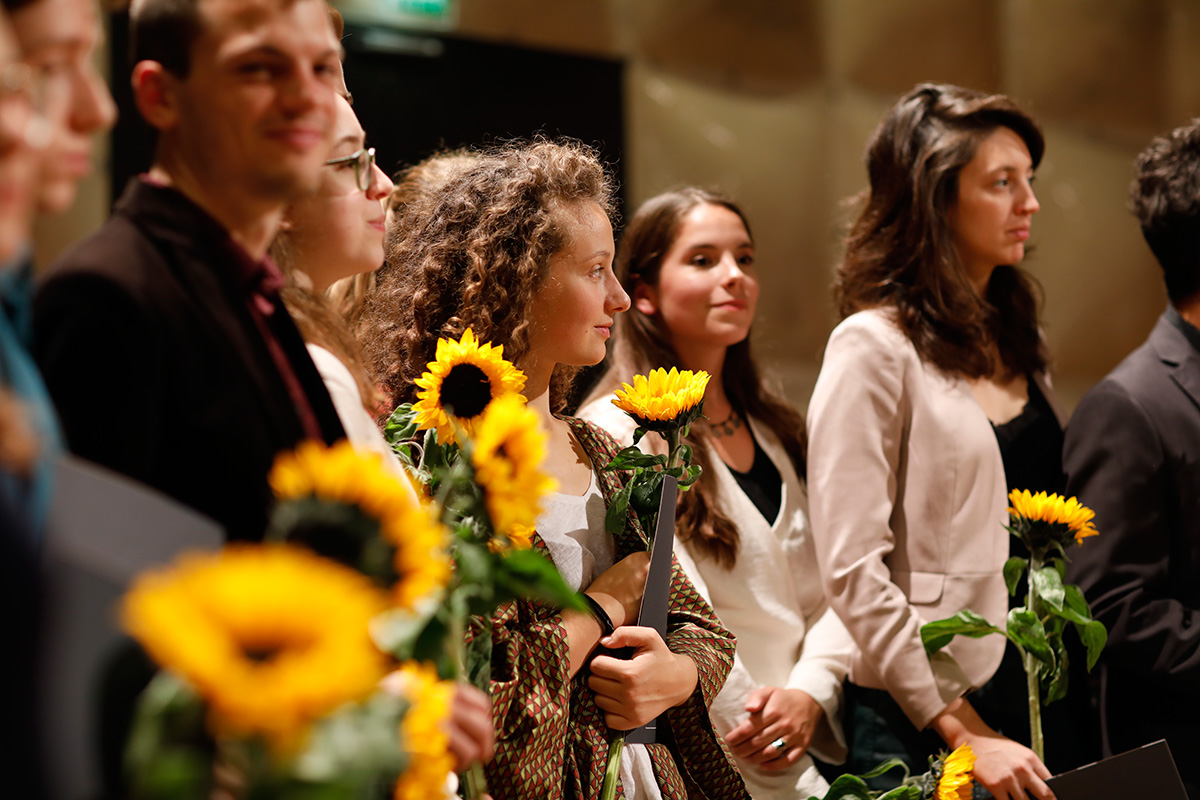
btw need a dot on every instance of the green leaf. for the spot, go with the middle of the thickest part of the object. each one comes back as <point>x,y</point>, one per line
<point>1054,681</point>
<point>904,792</point>
<point>528,573</point>
<point>632,457</point>
<point>638,433</point>
<point>647,491</point>
<point>354,743</point>
<point>401,425</point>
<point>1049,586</point>
<point>936,635</point>
<point>886,766</point>
<point>690,476</point>
<point>1094,636</point>
<point>614,518</point>
<point>847,787</point>
<point>1013,569</point>
<point>682,454</point>
<point>1027,631</point>
<point>474,563</point>
<point>167,753</point>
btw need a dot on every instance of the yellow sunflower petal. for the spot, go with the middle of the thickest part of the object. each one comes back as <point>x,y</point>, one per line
<point>510,447</point>
<point>1054,509</point>
<point>422,732</point>
<point>957,775</point>
<point>272,637</point>
<point>476,372</point>
<point>662,396</point>
<point>341,474</point>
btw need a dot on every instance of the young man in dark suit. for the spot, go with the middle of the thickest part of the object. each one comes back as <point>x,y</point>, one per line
<point>1133,454</point>
<point>162,338</point>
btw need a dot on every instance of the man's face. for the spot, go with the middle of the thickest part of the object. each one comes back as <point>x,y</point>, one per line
<point>256,111</point>
<point>59,38</point>
<point>18,162</point>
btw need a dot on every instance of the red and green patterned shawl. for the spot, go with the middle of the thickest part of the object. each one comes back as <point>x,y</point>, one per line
<point>551,736</point>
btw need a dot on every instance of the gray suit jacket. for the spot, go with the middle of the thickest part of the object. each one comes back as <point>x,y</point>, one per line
<point>1132,453</point>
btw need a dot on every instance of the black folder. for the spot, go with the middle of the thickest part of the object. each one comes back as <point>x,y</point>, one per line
<point>1148,771</point>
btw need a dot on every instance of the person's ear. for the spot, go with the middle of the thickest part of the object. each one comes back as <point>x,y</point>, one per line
<point>155,92</point>
<point>645,299</point>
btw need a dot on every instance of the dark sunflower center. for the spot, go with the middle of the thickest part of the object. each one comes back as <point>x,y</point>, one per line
<point>261,654</point>
<point>466,390</point>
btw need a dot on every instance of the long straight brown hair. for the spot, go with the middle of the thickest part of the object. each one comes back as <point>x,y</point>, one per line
<point>643,343</point>
<point>900,251</point>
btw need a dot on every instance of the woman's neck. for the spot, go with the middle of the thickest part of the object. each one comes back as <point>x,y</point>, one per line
<point>712,361</point>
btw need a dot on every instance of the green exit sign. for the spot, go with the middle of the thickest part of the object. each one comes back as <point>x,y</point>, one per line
<point>430,15</point>
<point>432,9</point>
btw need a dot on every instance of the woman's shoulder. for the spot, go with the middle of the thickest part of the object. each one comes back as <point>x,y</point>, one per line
<point>873,334</point>
<point>595,440</point>
<point>603,413</point>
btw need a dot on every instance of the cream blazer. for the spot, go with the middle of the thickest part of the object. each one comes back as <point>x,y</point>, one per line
<point>773,601</point>
<point>908,502</point>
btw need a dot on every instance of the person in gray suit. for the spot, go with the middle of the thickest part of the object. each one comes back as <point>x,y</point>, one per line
<point>1132,453</point>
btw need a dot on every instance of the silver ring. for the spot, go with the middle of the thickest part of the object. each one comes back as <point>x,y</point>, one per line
<point>779,744</point>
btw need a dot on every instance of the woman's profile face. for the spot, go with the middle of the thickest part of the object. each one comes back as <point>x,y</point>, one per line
<point>573,312</point>
<point>339,229</point>
<point>707,286</point>
<point>990,219</point>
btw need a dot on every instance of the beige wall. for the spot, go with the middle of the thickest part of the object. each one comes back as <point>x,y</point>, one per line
<point>773,100</point>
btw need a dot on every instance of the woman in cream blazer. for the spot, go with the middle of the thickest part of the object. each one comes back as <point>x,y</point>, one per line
<point>906,479</point>
<point>687,259</point>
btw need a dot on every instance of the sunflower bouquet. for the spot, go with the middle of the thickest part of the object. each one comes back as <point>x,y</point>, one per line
<point>950,777</point>
<point>477,449</point>
<point>272,681</point>
<point>1046,525</point>
<point>666,403</point>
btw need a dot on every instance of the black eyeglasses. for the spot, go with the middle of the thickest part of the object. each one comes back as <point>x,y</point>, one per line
<point>364,167</point>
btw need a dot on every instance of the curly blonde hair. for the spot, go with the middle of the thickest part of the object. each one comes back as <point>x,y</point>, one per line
<point>475,256</point>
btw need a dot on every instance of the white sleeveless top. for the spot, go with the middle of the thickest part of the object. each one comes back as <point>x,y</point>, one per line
<point>572,526</point>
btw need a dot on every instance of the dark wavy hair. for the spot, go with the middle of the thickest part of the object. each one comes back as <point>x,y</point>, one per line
<point>1165,197</point>
<point>475,256</point>
<point>900,251</point>
<point>642,343</point>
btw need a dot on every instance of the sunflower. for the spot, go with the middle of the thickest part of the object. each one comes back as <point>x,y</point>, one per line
<point>663,400</point>
<point>1051,515</point>
<point>957,775</point>
<point>509,449</point>
<point>422,732</point>
<point>461,382</point>
<point>341,476</point>
<point>271,636</point>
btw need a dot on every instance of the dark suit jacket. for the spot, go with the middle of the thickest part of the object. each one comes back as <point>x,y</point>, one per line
<point>1133,454</point>
<point>157,367</point>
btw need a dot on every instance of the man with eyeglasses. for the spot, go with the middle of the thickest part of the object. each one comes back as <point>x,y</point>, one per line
<point>162,337</point>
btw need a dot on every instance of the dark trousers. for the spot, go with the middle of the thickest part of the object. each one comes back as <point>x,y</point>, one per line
<point>877,729</point>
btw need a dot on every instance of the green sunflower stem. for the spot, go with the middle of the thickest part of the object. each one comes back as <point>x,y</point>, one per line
<point>672,437</point>
<point>1036,741</point>
<point>473,776</point>
<point>612,765</point>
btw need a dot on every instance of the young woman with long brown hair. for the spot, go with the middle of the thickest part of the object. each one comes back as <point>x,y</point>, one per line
<point>930,402</point>
<point>687,258</point>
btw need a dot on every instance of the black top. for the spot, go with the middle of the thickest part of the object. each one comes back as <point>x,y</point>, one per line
<point>1186,328</point>
<point>762,484</point>
<point>1031,446</point>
